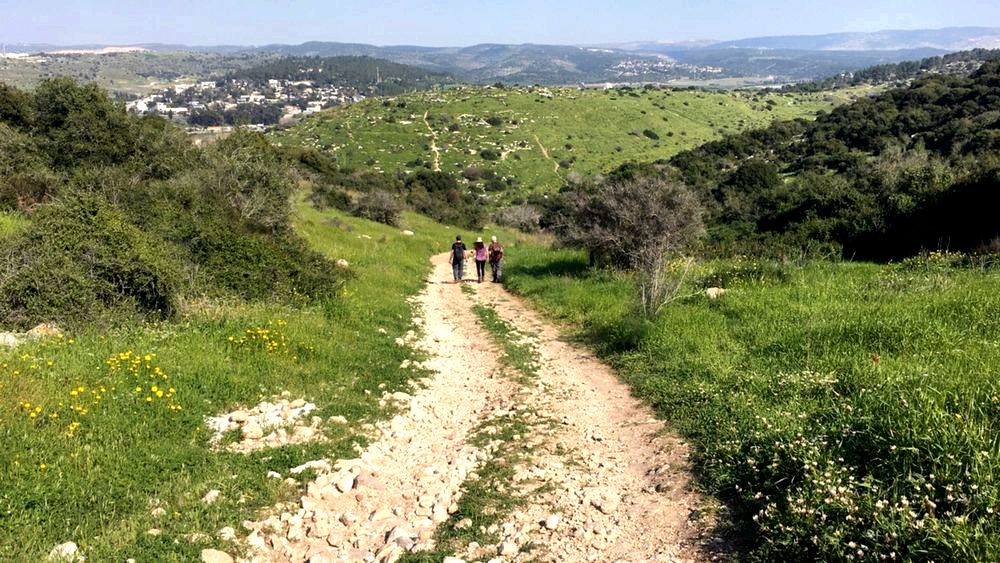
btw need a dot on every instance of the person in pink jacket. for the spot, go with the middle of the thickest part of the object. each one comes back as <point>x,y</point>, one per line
<point>479,249</point>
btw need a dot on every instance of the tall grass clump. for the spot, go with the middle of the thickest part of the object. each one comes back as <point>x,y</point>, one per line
<point>846,411</point>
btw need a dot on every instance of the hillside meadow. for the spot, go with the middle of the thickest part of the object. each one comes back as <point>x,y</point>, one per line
<point>846,411</point>
<point>532,137</point>
<point>101,430</point>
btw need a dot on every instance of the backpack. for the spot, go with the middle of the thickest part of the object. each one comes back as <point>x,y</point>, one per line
<point>458,251</point>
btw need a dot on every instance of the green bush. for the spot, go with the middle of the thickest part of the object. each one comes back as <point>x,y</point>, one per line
<point>379,206</point>
<point>80,256</point>
<point>252,178</point>
<point>127,216</point>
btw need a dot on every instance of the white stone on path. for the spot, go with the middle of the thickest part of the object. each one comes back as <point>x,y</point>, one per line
<point>215,556</point>
<point>227,534</point>
<point>345,483</point>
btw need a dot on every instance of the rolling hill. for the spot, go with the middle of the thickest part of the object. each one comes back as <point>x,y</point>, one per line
<point>530,139</point>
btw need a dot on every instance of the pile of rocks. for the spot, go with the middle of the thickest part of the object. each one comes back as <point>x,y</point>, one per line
<point>15,339</point>
<point>269,424</point>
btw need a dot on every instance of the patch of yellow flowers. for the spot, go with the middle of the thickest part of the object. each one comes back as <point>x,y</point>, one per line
<point>126,371</point>
<point>267,338</point>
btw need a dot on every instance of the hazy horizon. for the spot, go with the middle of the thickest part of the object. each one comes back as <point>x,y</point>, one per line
<point>456,23</point>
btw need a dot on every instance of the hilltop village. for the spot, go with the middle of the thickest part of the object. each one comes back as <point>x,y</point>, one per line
<point>256,104</point>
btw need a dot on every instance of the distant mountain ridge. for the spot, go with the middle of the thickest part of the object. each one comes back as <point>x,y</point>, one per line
<point>946,39</point>
<point>762,60</point>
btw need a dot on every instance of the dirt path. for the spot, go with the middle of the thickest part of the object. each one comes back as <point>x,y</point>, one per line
<point>601,480</point>
<point>623,490</point>
<point>545,153</point>
<point>434,147</point>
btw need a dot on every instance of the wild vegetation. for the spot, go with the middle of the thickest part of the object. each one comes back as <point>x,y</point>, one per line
<point>847,411</point>
<point>881,178</point>
<point>126,218</point>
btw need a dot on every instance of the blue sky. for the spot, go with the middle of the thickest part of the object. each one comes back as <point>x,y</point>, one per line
<point>464,22</point>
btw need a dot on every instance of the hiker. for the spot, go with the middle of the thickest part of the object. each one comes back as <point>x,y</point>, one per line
<point>495,252</point>
<point>479,247</point>
<point>457,259</point>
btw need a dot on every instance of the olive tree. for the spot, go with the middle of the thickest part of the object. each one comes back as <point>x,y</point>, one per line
<point>642,223</point>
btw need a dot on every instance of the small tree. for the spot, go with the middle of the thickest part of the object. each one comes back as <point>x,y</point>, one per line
<point>642,223</point>
<point>248,175</point>
<point>619,222</point>
<point>522,217</point>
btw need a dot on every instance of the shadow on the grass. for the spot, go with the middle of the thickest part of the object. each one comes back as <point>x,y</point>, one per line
<point>566,268</point>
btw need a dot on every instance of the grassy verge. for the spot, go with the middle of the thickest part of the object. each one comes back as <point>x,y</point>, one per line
<point>518,355</point>
<point>848,411</point>
<point>88,447</point>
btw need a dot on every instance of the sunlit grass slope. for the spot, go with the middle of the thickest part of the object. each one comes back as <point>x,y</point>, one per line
<point>525,133</point>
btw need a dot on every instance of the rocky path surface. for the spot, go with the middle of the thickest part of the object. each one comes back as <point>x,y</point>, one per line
<point>600,481</point>
<point>620,483</point>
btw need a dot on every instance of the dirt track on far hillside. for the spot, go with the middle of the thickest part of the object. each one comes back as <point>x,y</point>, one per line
<point>600,479</point>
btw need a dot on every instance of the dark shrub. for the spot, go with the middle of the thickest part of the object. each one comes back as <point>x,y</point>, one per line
<point>379,206</point>
<point>81,256</point>
<point>619,222</point>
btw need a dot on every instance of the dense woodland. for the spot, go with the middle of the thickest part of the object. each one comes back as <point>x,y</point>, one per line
<point>961,63</point>
<point>125,216</point>
<point>912,169</point>
<point>380,76</point>
<point>382,198</point>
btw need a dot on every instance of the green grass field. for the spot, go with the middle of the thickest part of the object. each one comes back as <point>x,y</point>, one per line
<point>88,447</point>
<point>849,411</point>
<point>536,129</point>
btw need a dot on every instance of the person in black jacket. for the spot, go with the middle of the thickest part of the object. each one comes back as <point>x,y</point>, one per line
<point>457,259</point>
